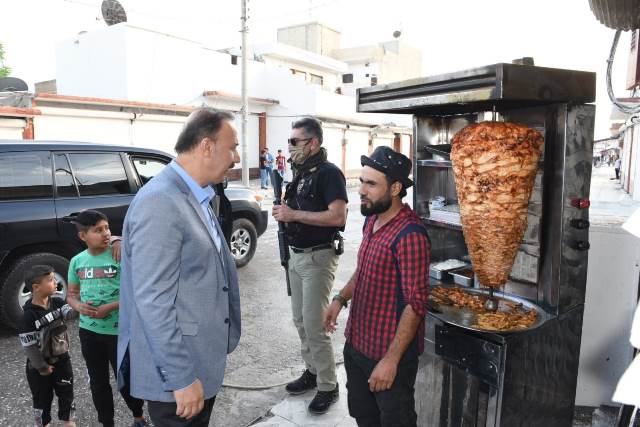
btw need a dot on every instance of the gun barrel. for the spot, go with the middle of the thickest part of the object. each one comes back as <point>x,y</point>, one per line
<point>283,245</point>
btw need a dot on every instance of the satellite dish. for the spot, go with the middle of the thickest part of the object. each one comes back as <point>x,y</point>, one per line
<point>396,34</point>
<point>113,12</point>
<point>12,84</point>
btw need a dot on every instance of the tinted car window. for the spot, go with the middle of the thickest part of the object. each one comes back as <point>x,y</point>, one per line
<point>99,174</point>
<point>25,176</point>
<point>147,168</point>
<point>64,178</point>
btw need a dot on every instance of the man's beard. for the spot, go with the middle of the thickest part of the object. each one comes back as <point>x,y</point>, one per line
<point>378,207</point>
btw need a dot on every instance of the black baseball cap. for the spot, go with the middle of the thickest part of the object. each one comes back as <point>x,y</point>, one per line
<point>395,165</point>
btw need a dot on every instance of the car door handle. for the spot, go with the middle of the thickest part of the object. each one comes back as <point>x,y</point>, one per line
<point>70,218</point>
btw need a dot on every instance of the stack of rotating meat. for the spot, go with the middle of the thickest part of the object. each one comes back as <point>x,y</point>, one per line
<point>495,166</point>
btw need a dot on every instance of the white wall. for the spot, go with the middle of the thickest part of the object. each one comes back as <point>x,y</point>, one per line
<point>405,145</point>
<point>634,170</point>
<point>357,146</point>
<point>93,64</point>
<point>149,131</point>
<point>11,128</point>
<point>612,292</point>
<point>332,142</point>
<point>157,132</point>
<point>383,140</point>
<point>82,125</point>
<point>126,62</point>
<point>330,80</point>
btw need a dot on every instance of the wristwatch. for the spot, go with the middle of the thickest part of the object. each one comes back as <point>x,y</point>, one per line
<point>343,301</point>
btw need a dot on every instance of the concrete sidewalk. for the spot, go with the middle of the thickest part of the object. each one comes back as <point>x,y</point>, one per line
<point>292,411</point>
<point>610,204</point>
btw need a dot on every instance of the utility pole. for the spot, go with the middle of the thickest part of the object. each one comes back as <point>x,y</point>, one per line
<point>245,99</point>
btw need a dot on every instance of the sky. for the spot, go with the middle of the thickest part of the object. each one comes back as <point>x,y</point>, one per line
<point>452,34</point>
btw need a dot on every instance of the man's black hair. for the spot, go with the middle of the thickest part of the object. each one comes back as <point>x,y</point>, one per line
<point>202,123</point>
<point>311,126</point>
<point>88,218</point>
<point>35,274</point>
<point>390,182</point>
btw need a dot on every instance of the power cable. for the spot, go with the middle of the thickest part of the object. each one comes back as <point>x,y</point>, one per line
<point>261,387</point>
<point>624,107</point>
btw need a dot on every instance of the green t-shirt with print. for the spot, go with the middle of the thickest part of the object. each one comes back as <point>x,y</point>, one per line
<point>99,280</point>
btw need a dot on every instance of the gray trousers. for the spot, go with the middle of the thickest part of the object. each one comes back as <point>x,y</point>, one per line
<point>311,276</point>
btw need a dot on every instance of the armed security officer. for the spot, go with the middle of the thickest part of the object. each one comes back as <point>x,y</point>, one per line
<point>315,210</point>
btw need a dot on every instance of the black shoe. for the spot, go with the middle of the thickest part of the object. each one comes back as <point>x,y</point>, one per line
<point>306,382</point>
<point>323,400</point>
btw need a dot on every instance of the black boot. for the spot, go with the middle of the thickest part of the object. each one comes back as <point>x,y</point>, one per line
<point>323,400</point>
<point>306,382</point>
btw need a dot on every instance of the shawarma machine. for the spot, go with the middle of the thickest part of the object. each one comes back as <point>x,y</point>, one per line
<point>469,376</point>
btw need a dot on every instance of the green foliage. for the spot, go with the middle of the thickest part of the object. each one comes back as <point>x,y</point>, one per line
<point>4,70</point>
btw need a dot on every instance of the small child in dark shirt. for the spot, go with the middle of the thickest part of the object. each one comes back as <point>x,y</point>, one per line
<point>45,341</point>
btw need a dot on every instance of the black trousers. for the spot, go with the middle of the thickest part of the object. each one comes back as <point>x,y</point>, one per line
<point>163,414</point>
<point>100,351</point>
<point>43,387</point>
<point>390,408</point>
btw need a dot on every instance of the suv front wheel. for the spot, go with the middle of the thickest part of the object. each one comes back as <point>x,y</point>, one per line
<point>14,291</point>
<point>243,242</point>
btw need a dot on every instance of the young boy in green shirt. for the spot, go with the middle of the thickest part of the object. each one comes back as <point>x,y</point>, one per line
<point>94,292</point>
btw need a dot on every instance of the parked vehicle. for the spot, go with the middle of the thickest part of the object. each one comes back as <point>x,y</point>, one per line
<point>43,185</point>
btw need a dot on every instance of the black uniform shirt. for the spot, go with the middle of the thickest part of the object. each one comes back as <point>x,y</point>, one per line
<point>314,191</point>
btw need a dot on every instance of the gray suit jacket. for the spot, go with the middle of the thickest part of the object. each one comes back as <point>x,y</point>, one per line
<point>179,297</point>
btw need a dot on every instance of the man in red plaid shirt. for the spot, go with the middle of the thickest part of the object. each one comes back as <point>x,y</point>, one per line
<point>388,293</point>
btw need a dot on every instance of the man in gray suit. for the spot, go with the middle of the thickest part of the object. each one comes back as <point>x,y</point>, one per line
<point>179,297</point>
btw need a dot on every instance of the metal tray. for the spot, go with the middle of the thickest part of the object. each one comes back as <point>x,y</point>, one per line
<point>460,279</point>
<point>465,318</point>
<point>442,274</point>
<point>442,150</point>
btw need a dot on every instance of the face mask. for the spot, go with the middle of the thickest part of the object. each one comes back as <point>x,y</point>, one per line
<point>298,155</point>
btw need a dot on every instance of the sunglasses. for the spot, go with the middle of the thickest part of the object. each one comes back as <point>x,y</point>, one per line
<point>294,141</point>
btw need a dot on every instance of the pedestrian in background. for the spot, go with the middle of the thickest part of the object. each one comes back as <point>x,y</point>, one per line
<point>264,174</point>
<point>281,163</point>
<point>270,160</point>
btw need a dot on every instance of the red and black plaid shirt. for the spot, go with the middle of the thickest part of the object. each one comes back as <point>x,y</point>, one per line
<point>382,272</point>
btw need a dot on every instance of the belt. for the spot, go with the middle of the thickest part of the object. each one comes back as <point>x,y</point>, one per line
<point>311,249</point>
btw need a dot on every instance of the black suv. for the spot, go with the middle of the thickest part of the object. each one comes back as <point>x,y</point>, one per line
<point>43,185</point>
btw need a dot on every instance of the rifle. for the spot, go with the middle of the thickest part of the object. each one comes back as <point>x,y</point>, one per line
<point>283,245</point>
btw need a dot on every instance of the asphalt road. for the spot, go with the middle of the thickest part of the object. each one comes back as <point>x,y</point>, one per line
<point>268,353</point>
